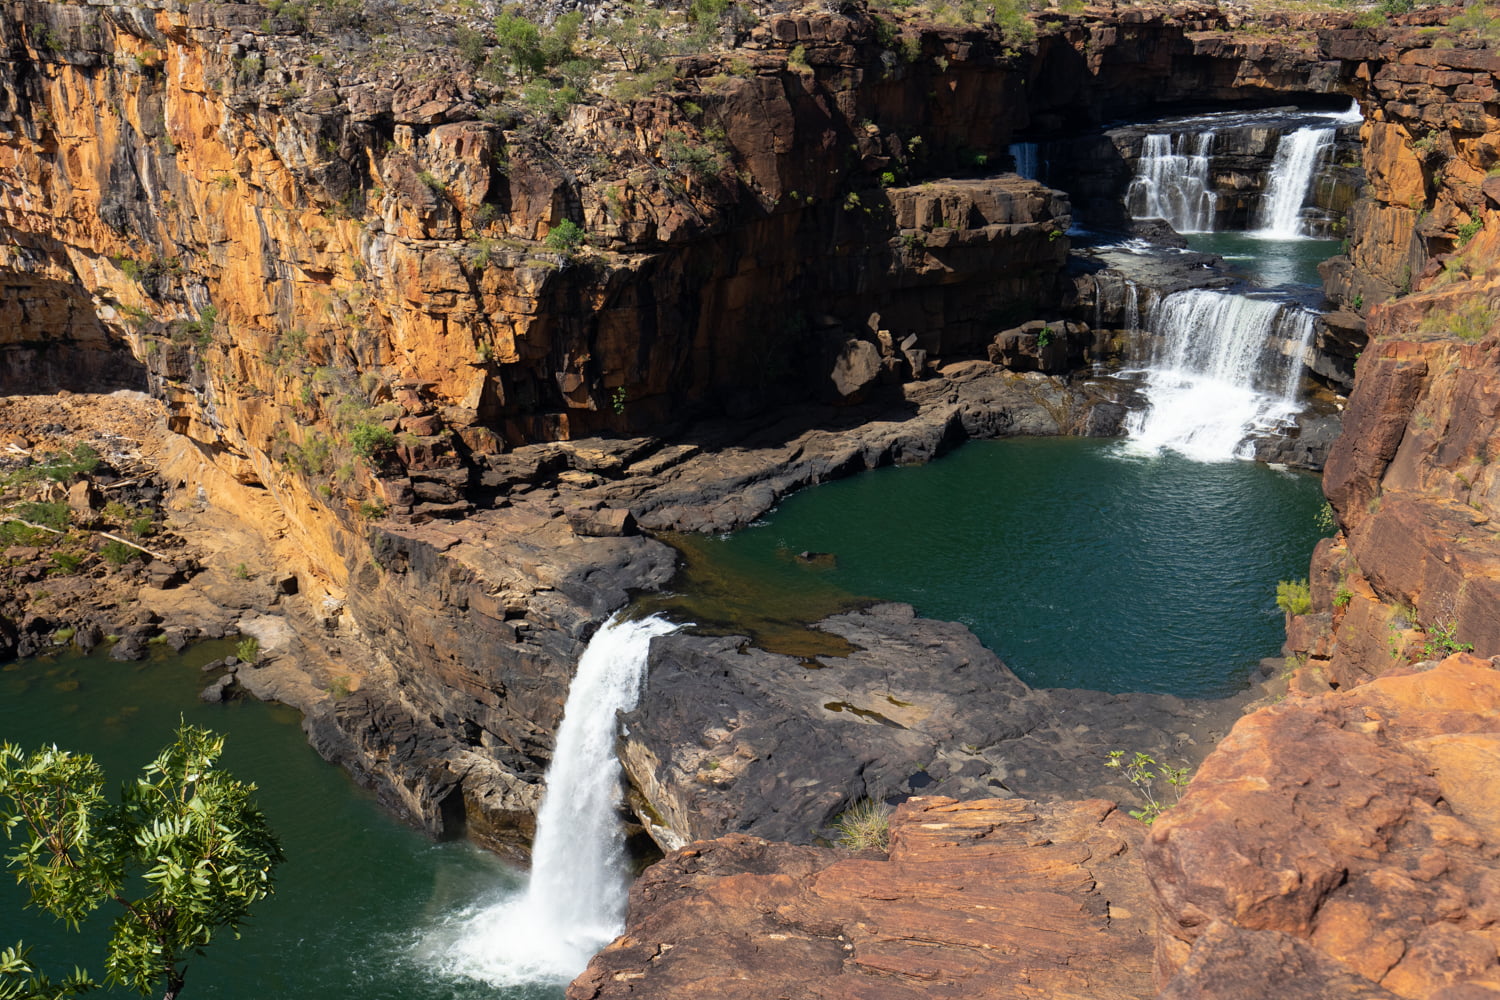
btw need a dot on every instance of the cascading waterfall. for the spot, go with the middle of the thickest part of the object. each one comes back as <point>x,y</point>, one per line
<point>1027,160</point>
<point>1225,366</point>
<point>1297,158</point>
<point>1171,182</point>
<point>574,902</point>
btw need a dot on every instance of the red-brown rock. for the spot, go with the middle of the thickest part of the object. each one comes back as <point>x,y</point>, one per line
<point>986,899</point>
<point>1351,834</point>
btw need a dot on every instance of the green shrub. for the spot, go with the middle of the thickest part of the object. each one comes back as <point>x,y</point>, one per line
<point>1138,771</point>
<point>565,238</point>
<point>865,825</point>
<point>241,571</point>
<point>1442,641</point>
<point>118,553</point>
<point>64,563</point>
<point>51,515</point>
<point>368,439</point>
<point>1294,597</point>
<point>247,650</point>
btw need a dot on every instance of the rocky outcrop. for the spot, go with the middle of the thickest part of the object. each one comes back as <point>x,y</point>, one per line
<point>985,898</point>
<point>730,738</point>
<point>1340,838</point>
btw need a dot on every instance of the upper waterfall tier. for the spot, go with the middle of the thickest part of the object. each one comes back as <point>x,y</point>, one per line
<point>1171,182</point>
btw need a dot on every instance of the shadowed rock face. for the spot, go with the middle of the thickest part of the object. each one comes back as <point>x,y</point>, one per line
<point>976,899</point>
<point>1351,834</point>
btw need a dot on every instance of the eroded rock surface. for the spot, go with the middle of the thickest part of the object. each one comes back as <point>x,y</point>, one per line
<point>976,899</point>
<point>730,738</point>
<point>1349,835</point>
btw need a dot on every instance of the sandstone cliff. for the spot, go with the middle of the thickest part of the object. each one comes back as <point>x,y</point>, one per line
<point>333,260</point>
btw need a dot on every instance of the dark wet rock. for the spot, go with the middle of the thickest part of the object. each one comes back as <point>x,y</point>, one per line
<point>220,690</point>
<point>731,738</point>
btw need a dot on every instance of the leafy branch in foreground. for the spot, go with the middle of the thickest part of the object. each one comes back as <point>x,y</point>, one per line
<point>185,853</point>
<point>1137,771</point>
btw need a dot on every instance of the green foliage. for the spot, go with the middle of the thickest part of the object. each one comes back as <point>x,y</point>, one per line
<point>1342,597</point>
<point>241,571</point>
<point>185,853</point>
<point>247,650</point>
<point>1324,518</point>
<point>471,45</point>
<point>797,59</point>
<point>432,181</point>
<point>699,159</point>
<point>1470,320</point>
<point>16,533</point>
<point>1470,229</point>
<point>636,35</point>
<point>66,563</point>
<point>60,467</point>
<point>19,979</point>
<point>118,553</point>
<point>1369,19</point>
<point>1395,8</point>
<point>1442,640</point>
<point>865,825</point>
<point>1045,337</point>
<point>565,238</point>
<point>371,510</point>
<point>50,515</point>
<point>617,401</point>
<point>1138,771</point>
<point>368,439</point>
<point>1294,597</point>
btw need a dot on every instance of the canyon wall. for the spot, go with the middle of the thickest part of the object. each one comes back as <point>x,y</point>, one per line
<point>341,259</point>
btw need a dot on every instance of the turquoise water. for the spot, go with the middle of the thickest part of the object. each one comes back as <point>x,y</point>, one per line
<point>1082,567</point>
<point>359,894</point>
<point>1268,263</point>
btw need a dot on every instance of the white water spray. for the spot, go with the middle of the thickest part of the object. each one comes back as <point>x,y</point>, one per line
<point>574,903</point>
<point>1171,182</point>
<point>1225,366</point>
<point>1297,157</point>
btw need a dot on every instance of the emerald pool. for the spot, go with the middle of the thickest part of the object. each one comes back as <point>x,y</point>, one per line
<point>363,904</point>
<point>1080,565</point>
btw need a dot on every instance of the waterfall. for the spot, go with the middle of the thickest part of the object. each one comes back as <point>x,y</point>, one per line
<point>1225,366</point>
<point>1027,160</point>
<point>574,902</point>
<point>1171,182</point>
<point>1132,307</point>
<point>1297,156</point>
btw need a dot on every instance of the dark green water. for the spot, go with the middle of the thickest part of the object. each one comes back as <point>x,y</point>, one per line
<point>359,895</point>
<point>1080,566</point>
<point>1268,263</point>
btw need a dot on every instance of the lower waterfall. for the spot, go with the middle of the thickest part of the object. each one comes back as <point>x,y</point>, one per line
<point>1224,367</point>
<point>574,902</point>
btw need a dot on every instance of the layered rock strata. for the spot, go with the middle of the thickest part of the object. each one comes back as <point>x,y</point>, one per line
<point>1338,842</point>
<point>984,898</point>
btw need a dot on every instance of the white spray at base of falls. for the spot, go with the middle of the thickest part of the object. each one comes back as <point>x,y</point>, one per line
<point>574,902</point>
<point>1297,157</point>
<point>1171,182</point>
<point>1225,366</point>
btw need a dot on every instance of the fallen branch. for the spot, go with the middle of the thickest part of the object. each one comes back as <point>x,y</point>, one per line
<point>107,534</point>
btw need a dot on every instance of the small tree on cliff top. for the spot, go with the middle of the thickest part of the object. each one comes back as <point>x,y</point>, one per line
<point>185,853</point>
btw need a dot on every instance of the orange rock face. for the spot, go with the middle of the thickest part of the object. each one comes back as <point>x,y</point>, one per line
<point>1352,834</point>
<point>977,899</point>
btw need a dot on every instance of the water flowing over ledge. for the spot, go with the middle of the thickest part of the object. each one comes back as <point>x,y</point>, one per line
<point>1225,367</point>
<point>574,903</point>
